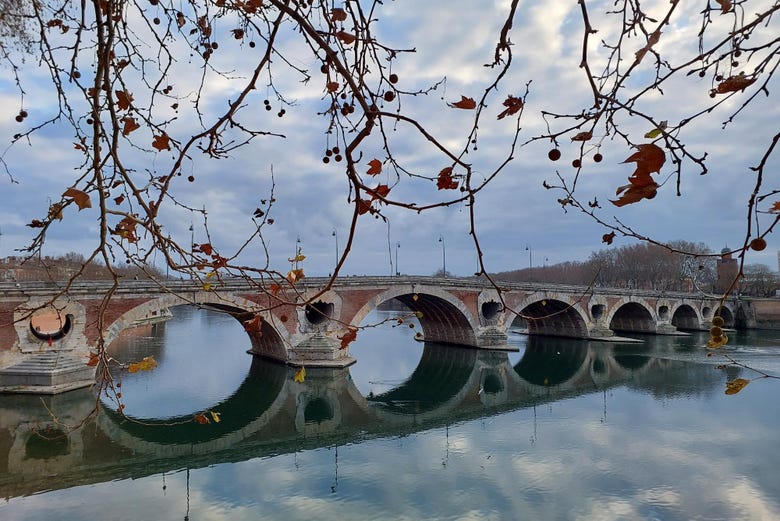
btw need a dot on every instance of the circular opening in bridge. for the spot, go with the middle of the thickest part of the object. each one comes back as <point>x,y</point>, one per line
<point>663,312</point>
<point>318,312</point>
<point>317,410</point>
<point>46,444</point>
<point>50,325</point>
<point>490,310</point>
<point>597,311</point>
<point>599,367</point>
<point>706,311</point>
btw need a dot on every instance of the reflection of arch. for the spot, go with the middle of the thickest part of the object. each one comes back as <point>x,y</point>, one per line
<point>554,318</point>
<point>441,374</point>
<point>548,361</point>
<point>632,362</point>
<point>634,317</point>
<point>256,395</point>
<point>685,317</point>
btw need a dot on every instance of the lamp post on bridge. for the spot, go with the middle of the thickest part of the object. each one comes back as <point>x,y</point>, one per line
<point>335,235</point>
<point>443,257</point>
<point>397,271</point>
<point>530,255</point>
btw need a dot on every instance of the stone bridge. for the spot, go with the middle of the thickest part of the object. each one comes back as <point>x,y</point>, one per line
<point>465,312</point>
<point>270,413</point>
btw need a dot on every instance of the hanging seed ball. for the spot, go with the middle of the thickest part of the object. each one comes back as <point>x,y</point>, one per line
<point>326,160</point>
<point>191,178</point>
<point>576,163</point>
<point>389,95</point>
<point>598,157</point>
<point>758,244</point>
<point>393,78</point>
<point>554,154</point>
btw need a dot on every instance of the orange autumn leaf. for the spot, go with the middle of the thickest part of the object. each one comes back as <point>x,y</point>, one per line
<point>130,124</point>
<point>332,86</point>
<point>337,14</point>
<point>649,158</point>
<point>347,338</point>
<point>295,275</point>
<point>445,181</point>
<point>346,37</point>
<point>775,207</point>
<point>94,358</point>
<point>123,99</point>
<point>725,6</point>
<point>162,142</point>
<point>201,419</point>
<point>634,193</point>
<point>374,167</point>
<point>364,206</point>
<point>513,106</point>
<point>205,248</point>
<point>126,229</point>
<point>254,325</point>
<point>275,289</point>
<point>608,237</point>
<point>146,364</point>
<point>79,197</point>
<point>734,83</point>
<point>379,192</point>
<point>464,103</point>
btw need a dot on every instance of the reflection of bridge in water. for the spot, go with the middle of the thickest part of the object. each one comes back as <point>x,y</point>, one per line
<point>272,414</point>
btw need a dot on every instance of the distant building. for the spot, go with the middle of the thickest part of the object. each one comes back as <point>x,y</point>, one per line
<point>727,268</point>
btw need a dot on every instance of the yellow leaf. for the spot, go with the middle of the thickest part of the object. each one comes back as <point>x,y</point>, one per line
<point>300,375</point>
<point>215,416</point>
<point>716,342</point>
<point>207,287</point>
<point>147,364</point>
<point>736,385</point>
<point>211,274</point>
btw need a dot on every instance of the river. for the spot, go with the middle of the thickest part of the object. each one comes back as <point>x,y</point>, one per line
<point>550,429</point>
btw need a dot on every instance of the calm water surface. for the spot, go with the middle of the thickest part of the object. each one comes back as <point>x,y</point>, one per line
<point>559,429</point>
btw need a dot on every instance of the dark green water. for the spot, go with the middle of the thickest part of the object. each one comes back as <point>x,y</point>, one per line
<point>560,429</point>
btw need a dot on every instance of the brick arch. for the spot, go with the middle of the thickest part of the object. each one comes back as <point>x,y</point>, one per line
<point>269,342</point>
<point>632,315</point>
<point>554,317</point>
<point>444,317</point>
<point>686,316</point>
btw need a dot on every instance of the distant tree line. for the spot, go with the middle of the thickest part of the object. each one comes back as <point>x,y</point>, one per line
<point>648,266</point>
<point>63,267</point>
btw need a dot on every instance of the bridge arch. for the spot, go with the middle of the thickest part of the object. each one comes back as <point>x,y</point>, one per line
<point>443,317</point>
<point>632,316</point>
<point>686,316</point>
<point>553,317</point>
<point>267,341</point>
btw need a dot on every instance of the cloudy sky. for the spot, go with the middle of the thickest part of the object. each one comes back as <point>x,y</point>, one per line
<point>518,220</point>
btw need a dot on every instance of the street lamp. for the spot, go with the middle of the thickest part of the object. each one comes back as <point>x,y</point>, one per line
<point>297,251</point>
<point>530,255</point>
<point>335,235</point>
<point>397,271</point>
<point>443,257</point>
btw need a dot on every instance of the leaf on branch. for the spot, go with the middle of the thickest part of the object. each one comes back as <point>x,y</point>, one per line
<point>464,103</point>
<point>94,358</point>
<point>126,229</point>
<point>35,223</point>
<point>130,124</point>
<point>725,6</point>
<point>123,99</point>
<point>119,200</point>
<point>582,136</point>
<point>337,14</point>
<point>374,167</point>
<point>445,181</point>
<point>346,37</point>
<point>379,192</point>
<point>657,131</point>
<point>608,237</point>
<point>238,33</point>
<point>275,289</point>
<point>205,248</point>
<point>332,86</point>
<point>364,206</point>
<point>202,419</point>
<point>295,275</point>
<point>736,385</point>
<point>162,142</point>
<point>348,338</point>
<point>254,325</point>
<point>513,106</point>
<point>215,416</point>
<point>300,375</point>
<point>55,211</point>
<point>634,193</point>
<point>734,83</point>
<point>648,158</point>
<point>775,207</point>
<point>298,258</point>
<point>81,198</point>
<point>146,364</point>
<point>652,40</point>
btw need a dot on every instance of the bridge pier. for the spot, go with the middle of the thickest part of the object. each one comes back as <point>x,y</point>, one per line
<point>320,350</point>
